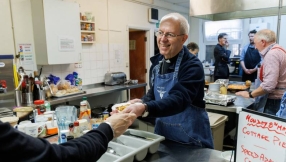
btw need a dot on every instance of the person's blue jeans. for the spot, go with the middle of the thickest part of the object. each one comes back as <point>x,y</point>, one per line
<point>272,106</point>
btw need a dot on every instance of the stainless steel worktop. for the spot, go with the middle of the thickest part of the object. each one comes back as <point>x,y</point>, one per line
<point>239,103</point>
<point>174,152</point>
<point>96,90</point>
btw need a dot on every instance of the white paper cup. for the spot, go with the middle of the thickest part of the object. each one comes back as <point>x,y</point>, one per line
<point>32,129</point>
<point>25,122</point>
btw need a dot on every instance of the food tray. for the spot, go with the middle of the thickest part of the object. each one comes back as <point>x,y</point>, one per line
<point>132,145</point>
<point>219,99</point>
<point>114,107</point>
<point>69,94</point>
<point>237,89</point>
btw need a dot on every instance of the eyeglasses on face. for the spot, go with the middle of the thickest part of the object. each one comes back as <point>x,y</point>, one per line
<point>167,35</point>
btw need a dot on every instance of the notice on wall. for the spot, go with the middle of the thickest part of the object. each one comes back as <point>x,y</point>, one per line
<point>26,54</point>
<point>66,43</point>
<point>260,138</point>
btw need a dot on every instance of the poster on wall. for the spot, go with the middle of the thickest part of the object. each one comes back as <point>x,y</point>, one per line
<point>26,56</point>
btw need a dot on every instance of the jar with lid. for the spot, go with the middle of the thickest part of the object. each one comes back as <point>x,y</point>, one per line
<point>39,105</point>
<point>95,122</point>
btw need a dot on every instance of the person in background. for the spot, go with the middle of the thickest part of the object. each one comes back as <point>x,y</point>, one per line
<point>17,146</point>
<point>249,59</point>
<point>272,71</point>
<point>176,95</point>
<point>221,55</point>
<point>193,48</point>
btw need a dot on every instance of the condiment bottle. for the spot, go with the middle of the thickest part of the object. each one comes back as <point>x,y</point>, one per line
<point>84,112</point>
<point>40,106</point>
<point>76,129</point>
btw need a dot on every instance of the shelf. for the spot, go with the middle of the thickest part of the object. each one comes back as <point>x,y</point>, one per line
<point>87,31</point>
<point>90,22</point>
<point>87,42</point>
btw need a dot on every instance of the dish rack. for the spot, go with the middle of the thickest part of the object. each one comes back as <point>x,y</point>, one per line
<point>133,144</point>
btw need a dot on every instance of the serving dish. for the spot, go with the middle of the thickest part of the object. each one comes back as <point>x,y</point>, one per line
<point>237,87</point>
<point>121,106</point>
<point>219,99</point>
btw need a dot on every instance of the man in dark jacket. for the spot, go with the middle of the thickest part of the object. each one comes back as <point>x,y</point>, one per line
<point>16,146</point>
<point>175,98</point>
<point>221,56</point>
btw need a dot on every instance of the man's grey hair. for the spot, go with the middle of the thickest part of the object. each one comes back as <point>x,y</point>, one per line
<point>184,25</point>
<point>267,35</point>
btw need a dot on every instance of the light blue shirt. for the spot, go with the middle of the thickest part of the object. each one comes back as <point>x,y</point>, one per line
<point>243,52</point>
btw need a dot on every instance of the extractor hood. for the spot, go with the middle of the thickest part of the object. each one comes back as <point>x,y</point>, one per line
<point>235,9</point>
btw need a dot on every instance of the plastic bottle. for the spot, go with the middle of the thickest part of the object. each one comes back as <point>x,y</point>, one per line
<point>84,99</point>
<point>48,106</point>
<point>84,112</point>
<point>76,129</point>
<point>63,136</point>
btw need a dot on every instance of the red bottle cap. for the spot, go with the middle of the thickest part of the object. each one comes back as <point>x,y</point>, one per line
<point>76,123</point>
<point>39,102</point>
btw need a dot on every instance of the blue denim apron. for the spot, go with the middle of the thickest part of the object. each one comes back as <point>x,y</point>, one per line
<point>191,126</point>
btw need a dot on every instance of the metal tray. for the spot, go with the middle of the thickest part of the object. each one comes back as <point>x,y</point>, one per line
<point>219,99</point>
<point>69,94</point>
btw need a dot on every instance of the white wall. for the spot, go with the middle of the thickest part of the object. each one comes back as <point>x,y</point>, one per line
<point>6,35</point>
<point>112,19</point>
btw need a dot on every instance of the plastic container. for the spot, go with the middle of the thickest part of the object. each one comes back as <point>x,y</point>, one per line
<point>217,123</point>
<point>63,136</point>
<point>76,129</point>
<point>105,115</point>
<point>84,99</point>
<point>84,113</point>
<point>48,106</point>
<point>39,105</point>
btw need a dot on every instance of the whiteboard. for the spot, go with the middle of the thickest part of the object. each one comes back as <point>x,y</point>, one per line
<point>260,137</point>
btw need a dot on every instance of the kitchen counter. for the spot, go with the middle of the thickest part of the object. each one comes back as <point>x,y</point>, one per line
<point>174,152</point>
<point>169,151</point>
<point>239,103</point>
<point>96,90</point>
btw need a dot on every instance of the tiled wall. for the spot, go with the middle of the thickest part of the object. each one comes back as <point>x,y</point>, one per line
<point>96,61</point>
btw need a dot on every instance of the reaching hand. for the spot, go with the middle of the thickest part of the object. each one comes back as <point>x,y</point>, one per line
<point>120,122</point>
<point>137,109</point>
<point>136,100</point>
<point>244,94</point>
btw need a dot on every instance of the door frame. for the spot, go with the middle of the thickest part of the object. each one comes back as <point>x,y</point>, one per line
<point>149,47</point>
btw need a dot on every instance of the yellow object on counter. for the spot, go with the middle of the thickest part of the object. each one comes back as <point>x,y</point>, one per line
<point>223,90</point>
<point>16,81</point>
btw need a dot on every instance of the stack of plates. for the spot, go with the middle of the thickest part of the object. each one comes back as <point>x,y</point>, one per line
<point>5,112</point>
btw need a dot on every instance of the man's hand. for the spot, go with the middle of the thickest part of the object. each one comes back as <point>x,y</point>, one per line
<point>137,109</point>
<point>136,100</point>
<point>247,71</point>
<point>252,70</point>
<point>226,44</point>
<point>120,122</point>
<point>244,94</point>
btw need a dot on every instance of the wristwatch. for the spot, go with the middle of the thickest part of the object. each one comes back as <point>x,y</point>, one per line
<point>146,112</point>
<point>250,94</point>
